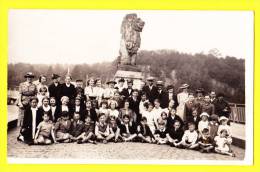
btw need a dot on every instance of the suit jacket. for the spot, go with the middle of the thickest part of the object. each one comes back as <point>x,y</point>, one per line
<point>132,129</point>
<point>163,98</point>
<point>68,91</point>
<point>81,112</point>
<point>76,128</point>
<point>55,91</point>
<point>152,94</point>
<point>126,93</point>
<point>176,134</point>
<point>173,97</point>
<point>57,114</point>
<point>92,113</point>
<point>191,119</point>
<point>27,123</point>
<point>134,105</point>
<point>171,121</point>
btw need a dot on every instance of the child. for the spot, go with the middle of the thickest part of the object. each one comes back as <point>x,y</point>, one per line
<point>64,103</point>
<point>144,100</point>
<point>102,129</point>
<point>113,112</point>
<point>62,128</point>
<point>189,138</point>
<point>77,127</point>
<point>163,117</point>
<point>157,111</point>
<point>213,126</point>
<point>144,132</point>
<point>223,142</point>
<point>175,133</point>
<point>103,109</point>
<point>128,130</point>
<point>204,123</point>
<point>55,110</point>
<point>42,93</point>
<point>113,127</point>
<point>149,116</point>
<point>160,133</point>
<point>24,104</point>
<point>90,111</point>
<point>172,118</point>
<point>88,132</point>
<point>78,108</point>
<point>194,118</point>
<point>205,142</point>
<point>45,131</point>
<point>224,125</point>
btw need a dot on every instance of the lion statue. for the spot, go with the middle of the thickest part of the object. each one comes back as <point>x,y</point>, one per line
<point>130,40</point>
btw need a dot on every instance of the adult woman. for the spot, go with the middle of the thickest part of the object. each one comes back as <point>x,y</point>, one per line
<point>90,91</point>
<point>182,98</point>
<point>41,83</point>
<point>127,111</point>
<point>99,90</point>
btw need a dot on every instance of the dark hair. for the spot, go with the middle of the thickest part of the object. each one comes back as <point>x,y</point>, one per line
<point>135,90</point>
<point>42,76</point>
<point>45,98</point>
<point>223,130</point>
<point>64,113</point>
<point>157,100</point>
<point>43,89</point>
<point>46,113</point>
<point>191,123</point>
<point>53,98</point>
<point>76,113</point>
<point>112,117</point>
<point>101,114</point>
<point>144,118</point>
<point>205,130</point>
<point>126,116</point>
<point>34,98</point>
<point>104,102</point>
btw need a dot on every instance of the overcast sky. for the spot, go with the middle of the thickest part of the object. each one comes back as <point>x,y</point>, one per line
<point>84,36</point>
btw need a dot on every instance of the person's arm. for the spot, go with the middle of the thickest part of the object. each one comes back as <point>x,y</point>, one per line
<point>53,135</point>
<point>38,131</point>
<point>195,139</point>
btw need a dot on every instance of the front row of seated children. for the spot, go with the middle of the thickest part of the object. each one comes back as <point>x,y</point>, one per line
<point>213,137</point>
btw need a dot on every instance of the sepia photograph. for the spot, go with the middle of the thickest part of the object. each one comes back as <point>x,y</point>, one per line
<point>130,86</point>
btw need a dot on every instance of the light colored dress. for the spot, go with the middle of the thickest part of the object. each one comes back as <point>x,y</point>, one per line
<point>182,98</point>
<point>150,120</point>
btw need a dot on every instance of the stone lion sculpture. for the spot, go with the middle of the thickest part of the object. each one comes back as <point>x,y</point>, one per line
<point>130,40</point>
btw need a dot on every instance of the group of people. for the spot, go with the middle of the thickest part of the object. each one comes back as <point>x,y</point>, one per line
<point>66,112</point>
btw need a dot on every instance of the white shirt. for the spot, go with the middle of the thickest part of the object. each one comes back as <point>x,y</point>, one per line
<point>202,125</point>
<point>149,116</point>
<point>190,136</point>
<point>34,110</point>
<point>90,91</point>
<point>109,93</point>
<point>114,113</point>
<point>53,108</point>
<point>46,108</point>
<point>64,108</point>
<point>156,113</point>
<point>77,108</point>
<point>141,106</point>
<point>99,92</point>
<point>227,127</point>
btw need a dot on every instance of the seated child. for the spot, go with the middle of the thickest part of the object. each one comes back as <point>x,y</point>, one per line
<point>160,133</point>
<point>149,116</point>
<point>189,138</point>
<point>103,109</point>
<point>204,123</point>
<point>205,142</point>
<point>62,128</point>
<point>77,127</point>
<point>213,126</point>
<point>143,131</point>
<point>102,131</point>
<point>223,142</point>
<point>88,132</point>
<point>172,118</point>
<point>113,127</point>
<point>127,129</point>
<point>224,125</point>
<point>175,133</point>
<point>45,131</point>
<point>22,106</point>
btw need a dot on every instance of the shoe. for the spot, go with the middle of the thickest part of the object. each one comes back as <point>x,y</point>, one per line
<point>79,142</point>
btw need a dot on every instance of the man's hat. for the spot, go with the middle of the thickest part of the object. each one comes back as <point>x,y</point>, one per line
<point>159,83</point>
<point>111,82</point>
<point>150,78</point>
<point>130,81</point>
<point>121,80</point>
<point>29,75</point>
<point>79,80</point>
<point>184,86</point>
<point>170,87</point>
<point>214,117</point>
<point>212,93</point>
<point>200,90</point>
<point>220,95</point>
<point>55,76</point>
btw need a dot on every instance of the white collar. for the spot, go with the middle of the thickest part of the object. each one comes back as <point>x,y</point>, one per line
<point>34,108</point>
<point>46,108</point>
<point>68,85</point>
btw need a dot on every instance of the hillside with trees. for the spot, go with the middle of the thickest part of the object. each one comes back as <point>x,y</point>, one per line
<point>225,75</point>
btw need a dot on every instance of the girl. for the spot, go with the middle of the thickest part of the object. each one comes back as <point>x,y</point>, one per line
<point>224,125</point>
<point>223,142</point>
<point>204,123</point>
<point>103,109</point>
<point>160,133</point>
<point>55,110</point>
<point>182,98</point>
<point>99,90</point>
<point>112,111</point>
<point>45,132</point>
<point>127,111</point>
<point>90,91</point>
<point>128,130</point>
<point>149,116</point>
<point>42,94</point>
<point>102,131</point>
<point>64,104</point>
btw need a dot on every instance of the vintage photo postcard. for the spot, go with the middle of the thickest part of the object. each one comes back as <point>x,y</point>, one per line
<point>130,87</point>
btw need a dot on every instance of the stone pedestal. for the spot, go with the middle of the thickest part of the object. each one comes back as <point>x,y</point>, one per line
<point>136,76</point>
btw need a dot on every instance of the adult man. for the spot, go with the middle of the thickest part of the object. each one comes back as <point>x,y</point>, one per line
<point>68,89</point>
<point>207,106</point>
<point>134,105</point>
<point>150,89</point>
<point>109,91</point>
<point>120,85</point>
<point>213,98</point>
<point>55,88</point>
<point>221,106</point>
<point>162,95</point>
<point>172,96</point>
<point>127,92</point>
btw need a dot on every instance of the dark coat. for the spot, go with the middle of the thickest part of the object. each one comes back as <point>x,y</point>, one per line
<point>55,91</point>
<point>171,121</point>
<point>77,128</point>
<point>152,94</point>
<point>173,97</point>
<point>125,93</point>
<point>57,114</point>
<point>27,123</point>
<point>132,129</point>
<point>92,113</point>
<point>81,111</point>
<point>163,98</point>
<point>145,131</point>
<point>68,91</point>
<point>134,105</point>
<point>175,134</point>
<point>191,119</point>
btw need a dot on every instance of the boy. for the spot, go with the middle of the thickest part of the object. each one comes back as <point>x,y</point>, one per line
<point>205,142</point>
<point>127,130</point>
<point>144,132</point>
<point>88,132</point>
<point>23,106</point>
<point>213,126</point>
<point>160,133</point>
<point>172,118</point>
<point>77,127</point>
<point>80,92</point>
<point>204,123</point>
<point>62,128</point>
<point>45,131</point>
<point>175,133</point>
<point>102,130</point>
<point>113,127</point>
<point>194,118</point>
<point>189,138</point>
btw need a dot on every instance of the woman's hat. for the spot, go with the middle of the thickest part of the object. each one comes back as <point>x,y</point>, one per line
<point>204,114</point>
<point>29,75</point>
<point>184,86</point>
<point>223,118</point>
<point>121,80</point>
<point>200,90</point>
<point>111,82</point>
<point>169,87</point>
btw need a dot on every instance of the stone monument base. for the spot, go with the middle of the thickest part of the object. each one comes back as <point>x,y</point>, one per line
<point>136,76</point>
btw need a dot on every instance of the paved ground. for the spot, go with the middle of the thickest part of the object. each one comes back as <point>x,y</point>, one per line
<point>123,151</point>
